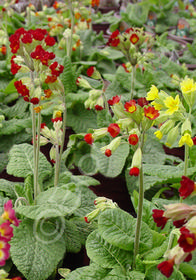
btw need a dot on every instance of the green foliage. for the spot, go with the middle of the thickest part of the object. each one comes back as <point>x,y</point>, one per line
<point>36,251</point>
<point>68,76</point>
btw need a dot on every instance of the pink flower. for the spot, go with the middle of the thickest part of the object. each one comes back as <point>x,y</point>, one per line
<point>6,230</point>
<point>9,214</point>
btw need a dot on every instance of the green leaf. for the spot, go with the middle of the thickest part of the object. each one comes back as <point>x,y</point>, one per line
<point>21,162</point>
<point>72,237</point>
<point>54,202</point>
<point>104,254</point>
<point>8,188</point>
<point>64,272</point>
<point>136,275</point>
<point>14,126</point>
<point>35,251</point>
<point>84,228</point>
<point>90,272</point>
<point>3,161</point>
<point>118,228</point>
<point>67,77</point>
<point>116,274</point>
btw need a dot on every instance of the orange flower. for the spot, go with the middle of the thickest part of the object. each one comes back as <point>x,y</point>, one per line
<point>95,3</point>
<point>151,113</point>
<point>134,38</point>
<point>130,106</point>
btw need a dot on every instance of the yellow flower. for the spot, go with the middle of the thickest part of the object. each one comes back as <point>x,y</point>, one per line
<point>172,104</point>
<point>157,106</point>
<point>153,93</point>
<point>186,139</point>
<point>158,134</point>
<point>188,86</point>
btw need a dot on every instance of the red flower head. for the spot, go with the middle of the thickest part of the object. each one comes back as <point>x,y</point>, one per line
<point>98,108</point>
<point>27,37</point>
<point>50,41</point>
<point>125,67</point>
<point>14,68</point>
<point>187,240</point>
<point>114,40</point>
<point>56,69</point>
<point>86,219</point>
<point>6,230</point>
<point>187,187</point>
<point>130,106</point>
<point>194,140</point>
<point>114,100</point>
<point>9,213</point>
<point>151,113</point>
<point>50,79</point>
<point>88,138</point>
<point>34,100</point>
<point>90,71</point>
<point>188,258</point>
<point>134,171</point>
<point>108,152</point>
<point>133,139</point>
<point>158,217</point>
<point>3,50</point>
<point>95,3</point>
<point>179,223</point>
<point>113,129</point>
<point>142,101</point>
<point>57,119</point>
<point>166,267</point>
<point>134,38</point>
<point>42,125</point>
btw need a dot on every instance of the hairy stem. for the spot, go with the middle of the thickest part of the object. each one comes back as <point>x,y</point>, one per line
<point>132,81</point>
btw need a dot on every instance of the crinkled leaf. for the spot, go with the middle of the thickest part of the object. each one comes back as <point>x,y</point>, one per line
<point>36,251</point>
<point>14,126</point>
<point>67,77</point>
<point>72,237</point>
<point>8,188</point>
<point>105,254</point>
<point>54,202</point>
<point>3,161</point>
<point>21,162</point>
<point>118,228</point>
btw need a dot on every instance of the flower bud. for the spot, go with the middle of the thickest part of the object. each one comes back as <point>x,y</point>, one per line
<point>172,136</point>
<point>177,211</point>
<point>186,127</point>
<point>112,146</point>
<point>100,133</point>
<point>95,93</point>
<point>100,199</point>
<point>92,215</point>
<point>53,154</point>
<point>83,83</point>
<point>137,158</point>
<point>191,225</point>
<point>93,73</point>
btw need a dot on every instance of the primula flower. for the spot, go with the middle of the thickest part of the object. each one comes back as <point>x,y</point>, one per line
<point>194,140</point>
<point>95,3</point>
<point>188,86</point>
<point>134,38</point>
<point>108,152</point>
<point>153,93</point>
<point>187,187</point>
<point>125,67</point>
<point>158,217</point>
<point>3,50</point>
<point>134,171</point>
<point>158,134</point>
<point>114,100</point>
<point>57,119</point>
<point>34,100</point>
<point>186,139</point>
<point>187,240</point>
<point>179,223</point>
<point>90,71</point>
<point>9,213</point>
<point>114,129</point>
<point>172,104</point>
<point>130,106</point>
<point>6,230</point>
<point>4,255</point>
<point>50,41</point>
<point>114,40</point>
<point>142,101</point>
<point>151,113</point>
<point>133,139</point>
<point>88,138</point>
<point>166,267</point>
<point>98,107</point>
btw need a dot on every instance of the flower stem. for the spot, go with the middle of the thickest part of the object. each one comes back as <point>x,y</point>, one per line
<point>37,187</point>
<point>132,81</point>
<point>69,50</point>
<point>139,215</point>
<point>186,161</point>
<point>34,149</point>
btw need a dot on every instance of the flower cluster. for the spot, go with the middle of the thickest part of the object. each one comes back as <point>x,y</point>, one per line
<point>31,55</point>
<point>129,43</point>
<point>175,118</point>
<point>7,219</point>
<point>133,119</point>
<point>183,217</point>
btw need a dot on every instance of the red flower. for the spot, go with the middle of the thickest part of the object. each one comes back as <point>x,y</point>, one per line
<point>114,41</point>
<point>98,108</point>
<point>114,100</point>
<point>158,217</point>
<point>187,187</point>
<point>56,69</point>
<point>95,3</point>
<point>125,67</point>
<point>90,71</point>
<point>27,37</point>
<point>14,68</point>
<point>133,139</point>
<point>134,171</point>
<point>50,79</point>
<point>57,119</point>
<point>187,240</point>
<point>142,101</point>
<point>166,267</point>
<point>39,34</point>
<point>194,140</point>
<point>42,125</point>
<point>151,113</point>
<point>113,129</point>
<point>108,152</point>
<point>188,258</point>
<point>134,38</point>
<point>86,219</point>
<point>89,138</point>
<point>130,106</point>
<point>34,100</point>
<point>3,50</point>
<point>50,41</point>
<point>179,223</point>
